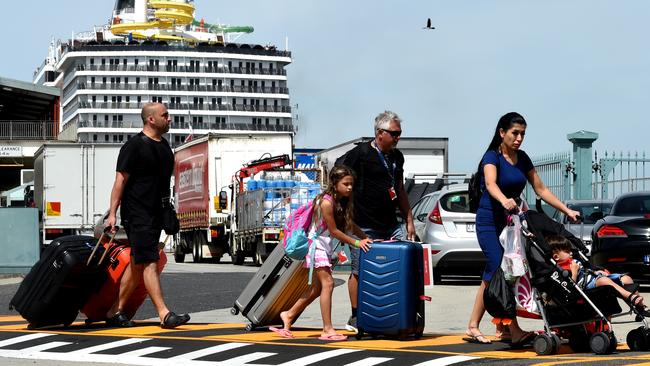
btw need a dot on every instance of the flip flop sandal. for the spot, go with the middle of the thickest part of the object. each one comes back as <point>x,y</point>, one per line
<point>333,338</point>
<point>476,339</point>
<point>284,333</point>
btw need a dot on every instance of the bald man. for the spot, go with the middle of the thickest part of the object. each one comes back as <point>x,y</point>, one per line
<point>144,168</point>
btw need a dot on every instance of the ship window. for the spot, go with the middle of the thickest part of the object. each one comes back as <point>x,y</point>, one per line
<point>135,62</point>
<point>92,80</point>
<point>121,138</point>
<point>103,80</point>
<point>137,80</point>
<point>277,121</point>
<point>94,118</point>
<point>103,61</point>
<point>124,61</point>
<point>114,138</point>
<point>106,138</point>
<point>95,137</point>
<point>106,118</point>
<point>127,98</point>
<point>126,80</point>
<point>94,98</point>
<point>139,99</point>
<point>111,62</point>
<point>267,121</point>
<point>105,98</point>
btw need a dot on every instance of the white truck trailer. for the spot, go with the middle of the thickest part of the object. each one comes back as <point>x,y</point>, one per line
<point>203,188</point>
<point>72,186</point>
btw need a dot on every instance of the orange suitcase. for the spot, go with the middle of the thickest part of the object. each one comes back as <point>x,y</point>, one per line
<point>99,303</point>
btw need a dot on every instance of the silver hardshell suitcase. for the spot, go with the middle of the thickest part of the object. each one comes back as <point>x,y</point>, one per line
<point>276,286</point>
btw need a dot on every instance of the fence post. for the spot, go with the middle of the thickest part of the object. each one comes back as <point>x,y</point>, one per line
<point>582,144</point>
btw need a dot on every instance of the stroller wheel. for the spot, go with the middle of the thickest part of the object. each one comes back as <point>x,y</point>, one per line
<point>557,343</point>
<point>600,343</point>
<point>637,340</point>
<point>544,344</point>
<point>613,342</point>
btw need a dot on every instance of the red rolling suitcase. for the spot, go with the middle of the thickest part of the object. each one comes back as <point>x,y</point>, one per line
<point>119,258</point>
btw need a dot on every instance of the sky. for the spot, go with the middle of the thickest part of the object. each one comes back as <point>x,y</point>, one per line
<point>564,65</point>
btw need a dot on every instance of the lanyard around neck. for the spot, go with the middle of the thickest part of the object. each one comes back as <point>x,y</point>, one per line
<point>385,163</point>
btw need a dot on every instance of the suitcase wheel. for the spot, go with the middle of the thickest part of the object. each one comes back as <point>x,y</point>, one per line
<point>234,310</point>
<point>359,334</point>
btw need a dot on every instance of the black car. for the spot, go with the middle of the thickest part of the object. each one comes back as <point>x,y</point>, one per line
<point>621,240</point>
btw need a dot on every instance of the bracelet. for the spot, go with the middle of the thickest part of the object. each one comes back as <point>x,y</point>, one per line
<point>357,243</point>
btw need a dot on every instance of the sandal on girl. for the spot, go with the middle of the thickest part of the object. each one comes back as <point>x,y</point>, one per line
<point>334,337</point>
<point>284,333</point>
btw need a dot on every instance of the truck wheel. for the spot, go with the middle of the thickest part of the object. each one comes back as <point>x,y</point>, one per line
<point>238,258</point>
<point>197,250</point>
<point>179,257</point>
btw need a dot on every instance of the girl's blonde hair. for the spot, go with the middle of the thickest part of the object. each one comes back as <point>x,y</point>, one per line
<point>343,206</point>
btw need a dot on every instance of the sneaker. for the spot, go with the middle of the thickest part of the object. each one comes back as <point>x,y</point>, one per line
<point>351,326</point>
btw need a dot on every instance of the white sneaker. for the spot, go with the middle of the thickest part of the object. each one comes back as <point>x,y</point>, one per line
<point>351,326</point>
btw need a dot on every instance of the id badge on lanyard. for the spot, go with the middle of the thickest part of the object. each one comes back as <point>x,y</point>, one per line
<point>391,191</point>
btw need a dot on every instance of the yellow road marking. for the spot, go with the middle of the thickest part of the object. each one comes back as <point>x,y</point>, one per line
<point>147,330</point>
<point>11,318</point>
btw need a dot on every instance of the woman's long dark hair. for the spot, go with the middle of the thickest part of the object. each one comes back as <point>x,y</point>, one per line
<point>505,122</point>
<point>343,207</point>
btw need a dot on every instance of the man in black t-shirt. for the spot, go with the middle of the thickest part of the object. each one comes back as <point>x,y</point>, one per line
<point>144,168</point>
<point>378,192</point>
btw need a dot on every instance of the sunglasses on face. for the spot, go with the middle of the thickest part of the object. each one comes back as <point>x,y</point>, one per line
<point>393,134</point>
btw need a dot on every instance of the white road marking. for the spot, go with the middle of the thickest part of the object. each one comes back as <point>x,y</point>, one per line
<point>308,360</point>
<point>44,347</point>
<point>245,359</point>
<point>105,346</point>
<point>208,351</point>
<point>24,338</point>
<point>370,361</point>
<point>144,351</point>
<point>446,361</point>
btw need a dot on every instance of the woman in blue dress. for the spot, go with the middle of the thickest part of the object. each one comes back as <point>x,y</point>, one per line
<point>506,170</point>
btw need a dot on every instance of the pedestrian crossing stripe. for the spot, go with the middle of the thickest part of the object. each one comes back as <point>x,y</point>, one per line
<point>234,332</point>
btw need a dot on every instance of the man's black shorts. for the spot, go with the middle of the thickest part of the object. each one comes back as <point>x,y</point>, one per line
<point>144,243</point>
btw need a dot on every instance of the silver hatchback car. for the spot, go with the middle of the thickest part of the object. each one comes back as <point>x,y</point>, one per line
<point>451,230</point>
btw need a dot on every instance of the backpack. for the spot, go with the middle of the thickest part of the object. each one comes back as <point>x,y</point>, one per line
<point>474,190</point>
<point>296,239</point>
<point>296,231</point>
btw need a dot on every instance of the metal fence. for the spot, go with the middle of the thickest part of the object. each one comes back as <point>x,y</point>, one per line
<point>616,174</point>
<point>611,175</point>
<point>555,170</point>
<point>28,130</point>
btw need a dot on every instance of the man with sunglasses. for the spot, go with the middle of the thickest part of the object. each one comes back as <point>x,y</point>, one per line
<point>378,192</point>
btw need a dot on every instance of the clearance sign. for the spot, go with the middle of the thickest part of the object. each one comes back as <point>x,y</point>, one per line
<point>53,208</point>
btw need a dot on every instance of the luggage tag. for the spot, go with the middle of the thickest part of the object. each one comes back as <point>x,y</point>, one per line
<point>392,193</point>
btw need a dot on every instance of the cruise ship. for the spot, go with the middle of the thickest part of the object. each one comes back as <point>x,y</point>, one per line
<point>157,51</point>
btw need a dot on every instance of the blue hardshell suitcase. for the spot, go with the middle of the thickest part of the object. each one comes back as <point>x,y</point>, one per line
<point>391,290</point>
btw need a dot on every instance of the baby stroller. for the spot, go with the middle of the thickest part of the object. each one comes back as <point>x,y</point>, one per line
<point>580,316</point>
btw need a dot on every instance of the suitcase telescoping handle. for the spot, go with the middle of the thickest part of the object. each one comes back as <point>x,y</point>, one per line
<point>99,242</point>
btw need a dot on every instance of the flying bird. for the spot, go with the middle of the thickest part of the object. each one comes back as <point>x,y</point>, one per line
<point>429,24</point>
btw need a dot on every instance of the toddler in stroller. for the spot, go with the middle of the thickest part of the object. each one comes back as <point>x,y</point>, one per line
<point>580,314</point>
<point>588,278</point>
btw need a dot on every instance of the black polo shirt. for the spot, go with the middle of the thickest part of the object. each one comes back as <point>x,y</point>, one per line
<point>373,207</point>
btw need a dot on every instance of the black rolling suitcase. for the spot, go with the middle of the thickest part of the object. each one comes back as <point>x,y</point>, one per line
<point>61,282</point>
<point>276,286</point>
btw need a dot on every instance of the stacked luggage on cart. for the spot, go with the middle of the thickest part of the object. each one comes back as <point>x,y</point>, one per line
<point>77,273</point>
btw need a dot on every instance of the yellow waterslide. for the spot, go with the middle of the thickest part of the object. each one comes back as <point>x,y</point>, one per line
<point>168,14</point>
